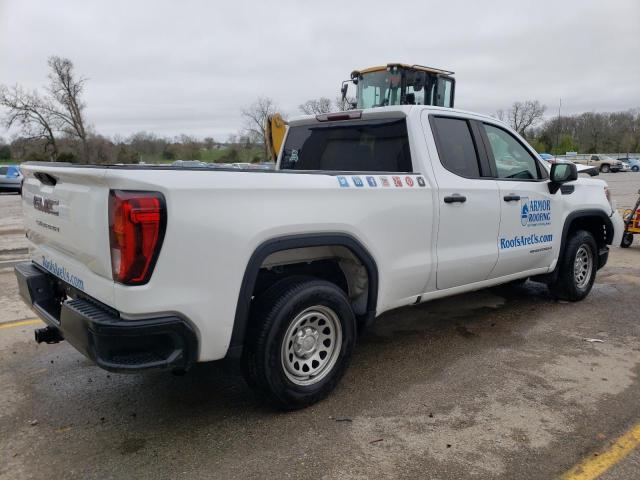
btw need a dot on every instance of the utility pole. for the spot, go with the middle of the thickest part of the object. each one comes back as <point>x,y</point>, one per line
<point>558,128</point>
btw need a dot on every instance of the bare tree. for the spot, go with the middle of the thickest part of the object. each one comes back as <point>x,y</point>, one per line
<point>209,142</point>
<point>255,118</point>
<point>348,103</point>
<point>33,114</point>
<point>523,115</point>
<point>66,89</point>
<point>316,106</point>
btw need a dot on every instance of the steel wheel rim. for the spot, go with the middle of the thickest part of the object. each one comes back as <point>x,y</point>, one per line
<point>583,266</point>
<point>311,345</point>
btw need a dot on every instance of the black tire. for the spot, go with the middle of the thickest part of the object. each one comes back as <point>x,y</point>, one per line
<point>566,285</point>
<point>605,168</point>
<point>635,168</point>
<point>627,240</point>
<point>264,361</point>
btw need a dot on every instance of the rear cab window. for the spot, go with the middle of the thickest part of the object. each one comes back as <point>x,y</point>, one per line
<point>380,145</point>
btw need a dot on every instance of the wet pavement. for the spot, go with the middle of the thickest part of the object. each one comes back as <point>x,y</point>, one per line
<point>498,383</point>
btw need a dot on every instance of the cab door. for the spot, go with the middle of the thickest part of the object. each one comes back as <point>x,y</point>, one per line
<point>530,216</point>
<point>468,203</point>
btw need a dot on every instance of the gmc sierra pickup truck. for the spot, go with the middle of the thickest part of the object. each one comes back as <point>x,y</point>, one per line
<point>145,267</point>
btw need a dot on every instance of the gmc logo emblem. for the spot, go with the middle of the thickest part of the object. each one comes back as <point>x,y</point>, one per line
<point>46,205</point>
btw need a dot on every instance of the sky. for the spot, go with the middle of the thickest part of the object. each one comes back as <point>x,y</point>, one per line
<point>173,67</point>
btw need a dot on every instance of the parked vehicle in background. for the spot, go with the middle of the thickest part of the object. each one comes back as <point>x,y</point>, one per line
<point>604,163</point>
<point>550,160</point>
<point>189,163</point>
<point>10,178</point>
<point>634,163</point>
<point>547,157</point>
<point>367,211</point>
<point>263,166</point>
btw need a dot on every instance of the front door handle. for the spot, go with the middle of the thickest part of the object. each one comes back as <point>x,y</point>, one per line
<point>455,198</point>
<point>511,198</point>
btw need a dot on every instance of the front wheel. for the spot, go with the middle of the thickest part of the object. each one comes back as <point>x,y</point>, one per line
<point>605,168</point>
<point>635,168</point>
<point>577,269</point>
<point>300,342</point>
<point>627,240</point>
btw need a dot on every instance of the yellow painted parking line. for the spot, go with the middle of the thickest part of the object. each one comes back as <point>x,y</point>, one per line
<point>20,323</point>
<point>594,466</point>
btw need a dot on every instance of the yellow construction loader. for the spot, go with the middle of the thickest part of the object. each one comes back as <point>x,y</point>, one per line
<point>391,84</point>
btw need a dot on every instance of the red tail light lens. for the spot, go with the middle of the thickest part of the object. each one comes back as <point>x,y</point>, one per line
<point>137,222</point>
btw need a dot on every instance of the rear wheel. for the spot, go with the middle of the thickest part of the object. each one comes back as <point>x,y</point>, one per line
<point>300,341</point>
<point>605,168</point>
<point>577,269</point>
<point>627,240</point>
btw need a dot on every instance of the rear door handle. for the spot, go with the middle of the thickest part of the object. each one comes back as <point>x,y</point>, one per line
<point>511,198</point>
<point>455,198</point>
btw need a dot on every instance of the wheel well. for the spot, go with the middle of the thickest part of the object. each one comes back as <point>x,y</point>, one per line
<point>335,264</point>
<point>338,258</point>
<point>594,225</point>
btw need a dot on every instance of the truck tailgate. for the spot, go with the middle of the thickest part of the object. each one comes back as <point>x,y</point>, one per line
<point>66,222</point>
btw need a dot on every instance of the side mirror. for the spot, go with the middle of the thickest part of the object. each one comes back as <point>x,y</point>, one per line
<point>562,173</point>
<point>343,90</point>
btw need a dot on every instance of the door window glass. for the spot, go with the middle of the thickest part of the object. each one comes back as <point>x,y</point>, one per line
<point>511,158</point>
<point>455,146</point>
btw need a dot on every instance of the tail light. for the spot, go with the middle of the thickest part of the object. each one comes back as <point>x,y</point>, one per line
<point>137,222</point>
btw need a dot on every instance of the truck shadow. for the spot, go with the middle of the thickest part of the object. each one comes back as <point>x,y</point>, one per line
<point>435,334</point>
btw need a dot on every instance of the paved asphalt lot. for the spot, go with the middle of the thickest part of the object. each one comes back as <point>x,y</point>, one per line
<point>493,384</point>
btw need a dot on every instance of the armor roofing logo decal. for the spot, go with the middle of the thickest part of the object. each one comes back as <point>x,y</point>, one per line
<point>534,213</point>
<point>524,210</point>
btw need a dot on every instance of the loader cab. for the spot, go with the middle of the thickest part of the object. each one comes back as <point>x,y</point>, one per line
<point>400,84</point>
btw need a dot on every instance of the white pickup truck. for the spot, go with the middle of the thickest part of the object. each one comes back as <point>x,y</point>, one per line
<point>157,266</point>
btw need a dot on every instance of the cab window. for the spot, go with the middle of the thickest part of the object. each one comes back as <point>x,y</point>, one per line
<point>512,160</point>
<point>445,89</point>
<point>456,148</point>
<point>356,146</point>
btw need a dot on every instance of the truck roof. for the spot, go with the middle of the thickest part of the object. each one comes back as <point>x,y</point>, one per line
<point>421,68</point>
<point>393,111</point>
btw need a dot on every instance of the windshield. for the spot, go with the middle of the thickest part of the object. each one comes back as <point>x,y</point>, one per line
<point>377,89</point>
<point>404,87</point>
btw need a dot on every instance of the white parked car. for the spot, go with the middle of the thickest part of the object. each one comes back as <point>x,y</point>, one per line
<point>156,267</point>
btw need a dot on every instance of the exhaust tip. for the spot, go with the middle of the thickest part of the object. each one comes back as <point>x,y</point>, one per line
<point>48,335</point>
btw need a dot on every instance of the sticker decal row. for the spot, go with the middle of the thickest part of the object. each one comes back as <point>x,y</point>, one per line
<point>381,181</point>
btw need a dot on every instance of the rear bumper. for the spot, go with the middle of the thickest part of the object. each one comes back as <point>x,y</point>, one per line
<point>99,333</point>
<point>10,186</point>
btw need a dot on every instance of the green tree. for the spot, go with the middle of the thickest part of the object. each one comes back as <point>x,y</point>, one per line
<point>5,152</point>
